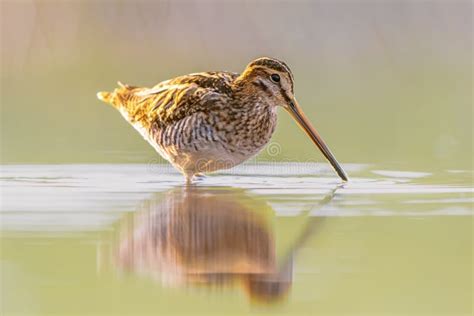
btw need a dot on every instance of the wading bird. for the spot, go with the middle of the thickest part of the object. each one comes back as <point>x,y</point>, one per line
<point>208,121</point>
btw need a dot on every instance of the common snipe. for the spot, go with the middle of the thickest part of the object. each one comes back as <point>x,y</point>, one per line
<point>208,121</point>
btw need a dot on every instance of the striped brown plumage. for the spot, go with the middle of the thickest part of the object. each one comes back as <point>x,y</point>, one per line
<point>208,121</point>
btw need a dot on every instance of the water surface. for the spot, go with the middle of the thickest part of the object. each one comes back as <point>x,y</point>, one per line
<point>266,238</point>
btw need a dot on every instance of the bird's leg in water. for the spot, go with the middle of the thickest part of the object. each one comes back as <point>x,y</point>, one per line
<point>189,178</point>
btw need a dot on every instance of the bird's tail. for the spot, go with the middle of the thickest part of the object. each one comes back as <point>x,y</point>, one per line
<point>117,97</point>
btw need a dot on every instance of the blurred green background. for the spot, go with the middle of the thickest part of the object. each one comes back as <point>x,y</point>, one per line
<point>387,81</point>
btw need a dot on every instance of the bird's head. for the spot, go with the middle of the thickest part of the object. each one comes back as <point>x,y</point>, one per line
<point>272,79</point>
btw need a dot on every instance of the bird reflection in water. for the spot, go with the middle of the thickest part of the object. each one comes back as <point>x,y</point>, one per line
<point>213,237</point>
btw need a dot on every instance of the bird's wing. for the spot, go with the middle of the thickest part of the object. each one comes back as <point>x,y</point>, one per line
<point>172,100</point>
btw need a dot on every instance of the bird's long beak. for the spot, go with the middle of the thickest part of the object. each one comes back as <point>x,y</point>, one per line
<point>295,111</point>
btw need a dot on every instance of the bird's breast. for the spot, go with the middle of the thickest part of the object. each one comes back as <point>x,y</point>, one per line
<point>217,140</point>
<point>255,129</point>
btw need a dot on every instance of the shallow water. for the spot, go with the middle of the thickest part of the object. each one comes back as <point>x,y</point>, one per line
<point>266,238</point>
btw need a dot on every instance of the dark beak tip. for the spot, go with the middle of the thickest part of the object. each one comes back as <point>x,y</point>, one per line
<point>343,177</point>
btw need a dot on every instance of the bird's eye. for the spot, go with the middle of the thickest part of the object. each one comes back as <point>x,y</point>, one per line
<point>275,78</point>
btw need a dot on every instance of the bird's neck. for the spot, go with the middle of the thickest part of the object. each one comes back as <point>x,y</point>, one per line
<point>255,118</point>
